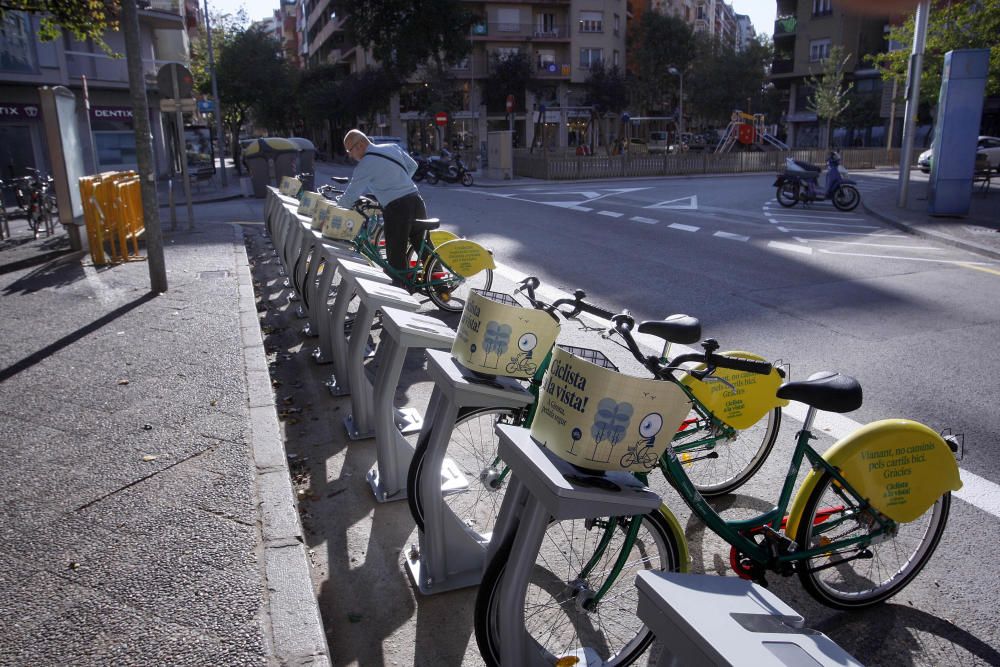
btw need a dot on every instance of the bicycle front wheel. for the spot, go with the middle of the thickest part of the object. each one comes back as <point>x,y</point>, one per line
<point>448,290</point>
<point>561,618</point>
<point>472,452</point>
<point>863,574</point>
<point>718,463</point>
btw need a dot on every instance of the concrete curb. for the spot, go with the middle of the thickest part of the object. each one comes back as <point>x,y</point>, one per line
<point>293,621</point>
<point>940,237</point>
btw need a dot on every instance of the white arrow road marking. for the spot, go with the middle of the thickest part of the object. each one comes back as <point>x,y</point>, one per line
<point>691,203</point>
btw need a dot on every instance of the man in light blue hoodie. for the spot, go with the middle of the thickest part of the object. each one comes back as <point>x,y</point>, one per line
<point>385,171</point>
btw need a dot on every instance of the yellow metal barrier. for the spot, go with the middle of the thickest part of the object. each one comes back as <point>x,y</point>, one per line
<point>112,210</point>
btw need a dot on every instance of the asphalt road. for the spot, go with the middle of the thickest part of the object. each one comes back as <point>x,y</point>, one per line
<point>913,321</point>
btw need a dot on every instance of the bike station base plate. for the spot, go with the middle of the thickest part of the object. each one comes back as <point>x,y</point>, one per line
<point>408,420</point>
<point>352,430</point>
<point>723,621</point>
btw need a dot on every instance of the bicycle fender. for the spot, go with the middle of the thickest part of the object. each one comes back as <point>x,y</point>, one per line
<point>679,537</point>
<point>899,466</point>
<point>465,257</point>
<point>440,236</point>
<point>754,396</point>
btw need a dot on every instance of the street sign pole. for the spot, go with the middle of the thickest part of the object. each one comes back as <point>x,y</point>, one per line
<point>219,137</point>
<point>912,99</point>
<point>181,149</point>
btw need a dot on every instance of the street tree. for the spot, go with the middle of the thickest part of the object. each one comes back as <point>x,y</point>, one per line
<point>405,34</point>
<point>658,42</point>
<point>332,99</point>
<point>509,74</point>
<point>84,19</point>
<point>829,96</point>
<point>952,25</point>
<point>250,70</point>
<point>723,79</point>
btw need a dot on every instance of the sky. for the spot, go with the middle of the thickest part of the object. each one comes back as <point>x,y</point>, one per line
<point>761,12</point>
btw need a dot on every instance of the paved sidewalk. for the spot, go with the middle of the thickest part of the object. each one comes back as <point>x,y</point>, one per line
<point>148,515</point>
<point>977,232</point>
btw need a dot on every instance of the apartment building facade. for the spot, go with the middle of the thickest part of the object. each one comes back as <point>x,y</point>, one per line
<point>27,64</point>
<point>713,17</point>
<point>804,33</point>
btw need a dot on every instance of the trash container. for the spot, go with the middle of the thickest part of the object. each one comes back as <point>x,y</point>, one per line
<point>256,160</point>
<point>307,161</point>
<point>285,154</point>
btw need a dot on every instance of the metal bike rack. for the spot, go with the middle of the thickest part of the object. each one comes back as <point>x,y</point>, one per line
<point>339,383</point>
<point>540,492</point>
<point>320,286</point>
<point>451,555</point>
<point>374,297</point>
<point>401,332</point>
<point>727,621</point>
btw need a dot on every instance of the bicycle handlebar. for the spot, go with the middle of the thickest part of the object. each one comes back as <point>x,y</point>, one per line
<point>576,305</point>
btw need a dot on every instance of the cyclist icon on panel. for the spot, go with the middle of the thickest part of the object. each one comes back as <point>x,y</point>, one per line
<point>642,451</point>
<point>522,361</point>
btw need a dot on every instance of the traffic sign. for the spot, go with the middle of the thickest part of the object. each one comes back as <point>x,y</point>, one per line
<point>510,103</point>
<point>206,106</point>
<point>441,118</point>
<point>171,73</point>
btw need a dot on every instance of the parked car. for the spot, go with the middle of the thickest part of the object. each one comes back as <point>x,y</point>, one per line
<point>637,146</point>
<point>658,142</point>
<point>988,145</point>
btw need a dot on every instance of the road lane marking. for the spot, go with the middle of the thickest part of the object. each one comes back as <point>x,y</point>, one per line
<point>956,262</point>
<point>646,221</point>
<point>683,228</point>
<point>731,236</point>
<point>610,214</point>
<point>691,203</point>
<point>883,245</point>
<point>778,245</point>
<point>970,265</point>
<point>826,224</point>
<point>977,491</point>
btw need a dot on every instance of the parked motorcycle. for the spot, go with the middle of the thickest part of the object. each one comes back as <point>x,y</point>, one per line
<point>800,182</point>
<point>422,166</point>
<point>448,170</point>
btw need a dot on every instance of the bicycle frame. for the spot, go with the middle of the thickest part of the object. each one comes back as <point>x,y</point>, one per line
<point>737,533</point>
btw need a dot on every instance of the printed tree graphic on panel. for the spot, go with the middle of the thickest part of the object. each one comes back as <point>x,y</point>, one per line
<point>610,423</point>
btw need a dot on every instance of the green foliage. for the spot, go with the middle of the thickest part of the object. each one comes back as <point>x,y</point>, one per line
<point>328,95</point>
<point>224,28</point>
<point>972,24</point>
<point>405,34</point>
<point>722,79</point>
<point>657,42</point>
<point>509,75</point>
<point>830,98</point>
<point>84,19</point>
<point>606,89</point>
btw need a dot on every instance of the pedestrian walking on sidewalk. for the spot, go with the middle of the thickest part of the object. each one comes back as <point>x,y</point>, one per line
<point>386,172</point>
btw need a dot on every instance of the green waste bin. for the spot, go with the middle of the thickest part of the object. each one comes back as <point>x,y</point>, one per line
<point>307,161</point>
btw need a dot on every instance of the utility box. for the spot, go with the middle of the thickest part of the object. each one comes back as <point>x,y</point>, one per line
<point>500,151</point>
<point>960,108</point>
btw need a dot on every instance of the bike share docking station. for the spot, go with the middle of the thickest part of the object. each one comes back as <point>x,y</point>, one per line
<point>339,383</point>
<point>727,621</point>
<point>544,488</point>
<point>331,255</point>
<point>374,296</point>
<point>451,555</point>
<point>401,331</point>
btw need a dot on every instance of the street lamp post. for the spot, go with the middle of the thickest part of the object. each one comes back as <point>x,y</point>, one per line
<point>680,106</point>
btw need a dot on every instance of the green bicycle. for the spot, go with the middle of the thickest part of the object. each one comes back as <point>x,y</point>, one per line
<point>444,268</point>
<point>863,523</point>
<point>718,456</point>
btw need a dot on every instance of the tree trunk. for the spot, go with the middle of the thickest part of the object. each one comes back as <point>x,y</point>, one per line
<point>143,148</point>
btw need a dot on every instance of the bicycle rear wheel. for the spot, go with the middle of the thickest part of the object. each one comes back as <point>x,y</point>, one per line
<point>448,290</point>
<point>863,574</point>
<point>560,617</point>
<point>717,464</point>
<point>473,450</point>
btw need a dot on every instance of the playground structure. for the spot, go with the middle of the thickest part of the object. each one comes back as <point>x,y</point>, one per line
<point>748,129</point>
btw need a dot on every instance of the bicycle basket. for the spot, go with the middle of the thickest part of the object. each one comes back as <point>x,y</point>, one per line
<point>596,418</point>
<point>498,336</point>
<point>290,186</point>
<point>338,223</point>
<point>310,203</point>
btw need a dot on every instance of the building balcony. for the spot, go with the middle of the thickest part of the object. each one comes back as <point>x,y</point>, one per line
<point>782,66</point>
<point>553,70</point>
<point>520,32</point>
<point>785,27</point>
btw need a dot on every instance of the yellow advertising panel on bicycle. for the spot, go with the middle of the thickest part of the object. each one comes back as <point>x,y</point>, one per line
<point>440,236</point>
<point>497,336</point>
<point>742,407</point>
<point>308,206</point>
<point>464,257</point>
<point>900,466</point>
<point>290,186</point>
<point>338,223</point>
<point>591,415</point>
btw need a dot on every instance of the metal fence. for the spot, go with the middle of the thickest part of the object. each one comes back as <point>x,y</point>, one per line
<point>557,167</point>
